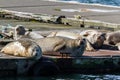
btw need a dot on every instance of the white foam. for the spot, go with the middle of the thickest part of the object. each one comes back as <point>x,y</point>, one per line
<point>73,2</point>
<point>69,10</point>
<point>102,10</point>
<point>89,10</point>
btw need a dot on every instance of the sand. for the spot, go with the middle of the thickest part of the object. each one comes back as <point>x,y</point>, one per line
<point>53,8</point>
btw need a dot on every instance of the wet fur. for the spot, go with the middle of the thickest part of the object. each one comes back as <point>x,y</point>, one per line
<point>72,35</point>
<point>95,38</point>
<point>63,45</point>
<point>23,47</point>
<point>65,34</point>
<point>113,38</point>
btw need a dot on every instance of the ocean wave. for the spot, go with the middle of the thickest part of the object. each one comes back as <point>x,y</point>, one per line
<point>68,1</point>
<point>106,3</point>
<point>89,10</point>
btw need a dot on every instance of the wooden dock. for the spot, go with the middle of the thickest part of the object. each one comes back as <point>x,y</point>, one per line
<point>102,61</point>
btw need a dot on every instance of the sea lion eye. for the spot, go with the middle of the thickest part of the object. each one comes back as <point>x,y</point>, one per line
<point>36,50</point>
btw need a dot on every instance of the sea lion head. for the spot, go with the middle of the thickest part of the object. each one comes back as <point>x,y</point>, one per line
<point>35,51</point>
<point>20,30</point>
<point>113,38</point>
<point>79,47</point>
<point>98,40</point>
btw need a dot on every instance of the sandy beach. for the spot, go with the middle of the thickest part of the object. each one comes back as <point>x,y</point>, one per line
<point>94,12</point>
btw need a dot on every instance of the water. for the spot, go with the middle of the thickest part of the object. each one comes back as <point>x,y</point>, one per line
<point>68,77</point>
<point>103,2</point>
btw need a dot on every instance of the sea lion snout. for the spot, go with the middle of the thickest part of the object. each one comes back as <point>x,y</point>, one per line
<point>83,42</point>
<point>35,51</point>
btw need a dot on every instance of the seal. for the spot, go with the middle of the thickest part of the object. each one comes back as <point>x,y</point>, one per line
<point>22,32</point>
<point>32,35</point>
<point>23,48</point>
<point>118,45</point>
<point>74,47</point>
<point>113,37</point>
<point>66,34</point>
<point>19,31</point>
<point>72,35</point>
<point>95,38</point>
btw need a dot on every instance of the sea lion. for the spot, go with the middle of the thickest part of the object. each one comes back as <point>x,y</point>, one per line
<point>113,37</point>
<point>22,32</point>
<point>118,45</point>
<point>72,35</point>
<point>95,38</point>
<point>32,35</point>
<point>19,30</point>
<point>24,48</point>
<point>66,34</point>
<point>74,47</point>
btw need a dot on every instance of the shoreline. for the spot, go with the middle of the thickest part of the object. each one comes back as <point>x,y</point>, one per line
<point>48,7</point>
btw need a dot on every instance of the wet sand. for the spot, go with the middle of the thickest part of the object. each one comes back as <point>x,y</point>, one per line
<point>46,7</point>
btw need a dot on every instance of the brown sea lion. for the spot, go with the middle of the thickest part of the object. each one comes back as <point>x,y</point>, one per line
<point>113,37</point>
<point>72,35</point>
<point>95,37</point>
<point>22,32</point>
<point>24,48</point>
<point>19,31</point>
<point>66,34</point>
<point>75,47</point>
<point>32,35</point>
<point>118,45</point>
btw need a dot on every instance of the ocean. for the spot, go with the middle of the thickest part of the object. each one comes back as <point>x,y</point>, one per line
<point>68,77</point>
<point>101,2</point>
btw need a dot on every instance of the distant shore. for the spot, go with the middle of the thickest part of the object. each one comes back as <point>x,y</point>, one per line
<point>54,8</point>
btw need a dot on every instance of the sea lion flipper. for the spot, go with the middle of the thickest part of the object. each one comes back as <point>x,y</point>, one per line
<point>15,53</point>
<point>89,47</point>
<point>59,45</point>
